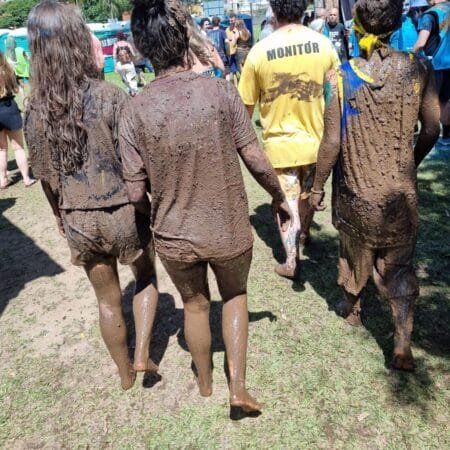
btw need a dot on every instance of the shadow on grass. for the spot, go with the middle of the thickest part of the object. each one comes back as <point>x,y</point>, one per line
<point>432,312</point>
<point>21,260</point>
<point>169,321</point>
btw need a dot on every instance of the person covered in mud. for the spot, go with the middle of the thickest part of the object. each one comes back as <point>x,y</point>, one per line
<point>374,183</point>
<point>291,73</point>
<point>199,208</point>
<point>71,130</point>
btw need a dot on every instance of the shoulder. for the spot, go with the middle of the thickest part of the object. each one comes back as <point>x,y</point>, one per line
<point>109,91</point>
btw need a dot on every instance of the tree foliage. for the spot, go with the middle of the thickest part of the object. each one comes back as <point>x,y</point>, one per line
<point>14,13</point>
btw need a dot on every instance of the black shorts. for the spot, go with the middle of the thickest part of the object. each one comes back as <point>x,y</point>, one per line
<point>10,117</point>
<point>443,84</point>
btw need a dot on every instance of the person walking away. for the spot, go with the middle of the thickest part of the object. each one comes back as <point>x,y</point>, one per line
<point>434,40</point>
<point>243,43</point>
<point>335,31</point>
<point>71,130</point>
<point>375,182</point>
<point>199,207</point>
<point>11,126</point>
<point>291,74</point>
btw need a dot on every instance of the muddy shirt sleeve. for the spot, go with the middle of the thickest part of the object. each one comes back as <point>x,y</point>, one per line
<point>39,152</point>
<point>132,164</point>
<point>248,83</point>
<point>242,128</point>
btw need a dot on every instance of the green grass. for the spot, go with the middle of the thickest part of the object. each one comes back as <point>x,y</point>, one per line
<point>324,385</point>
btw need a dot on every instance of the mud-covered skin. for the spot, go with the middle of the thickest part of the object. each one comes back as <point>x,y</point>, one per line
<point>374,185</point>
<point>99,182</point>
<point>188,152</point>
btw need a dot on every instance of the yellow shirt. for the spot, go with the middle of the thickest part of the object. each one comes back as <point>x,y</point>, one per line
<point>286,73</point>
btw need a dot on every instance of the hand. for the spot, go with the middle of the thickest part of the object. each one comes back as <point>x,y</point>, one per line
<point>316,201</point>
<point>59,224</point>
<point>282,213</point>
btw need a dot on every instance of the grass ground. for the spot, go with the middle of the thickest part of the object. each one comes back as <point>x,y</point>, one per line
<point>324,385</point>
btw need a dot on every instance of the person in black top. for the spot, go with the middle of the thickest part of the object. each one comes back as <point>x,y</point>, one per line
<point>336,32</point>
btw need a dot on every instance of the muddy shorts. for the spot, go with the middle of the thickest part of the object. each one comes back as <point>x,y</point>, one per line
<point>296,182</point>
<point>443,84</point>
<point>97,235</point>
<point>391,267</point>
<point>190,278</point>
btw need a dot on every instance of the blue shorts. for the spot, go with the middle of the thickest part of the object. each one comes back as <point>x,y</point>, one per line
<point>10,117</point>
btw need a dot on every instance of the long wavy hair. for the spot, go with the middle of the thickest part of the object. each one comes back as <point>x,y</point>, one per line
<point>62,64</point>
<point>8,80</point>
<point>243,30</point>
<point>160,32</point>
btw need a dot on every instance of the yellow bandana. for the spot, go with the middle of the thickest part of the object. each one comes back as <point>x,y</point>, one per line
<point>368,42</point>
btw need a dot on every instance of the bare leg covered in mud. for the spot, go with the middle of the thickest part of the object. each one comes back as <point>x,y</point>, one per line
<point>105,281</point>
<point>198,337</point>
<point>235,336</point>
<point>145,301</point>
<point>290,238</point>
<point>402,313</point>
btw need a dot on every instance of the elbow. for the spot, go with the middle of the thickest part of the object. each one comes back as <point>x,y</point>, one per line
<point>136,192</point>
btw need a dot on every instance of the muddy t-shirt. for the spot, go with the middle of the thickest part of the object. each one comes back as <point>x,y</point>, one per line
<point>98,183</point>
<point>182,133</point>
<point>374,183</point>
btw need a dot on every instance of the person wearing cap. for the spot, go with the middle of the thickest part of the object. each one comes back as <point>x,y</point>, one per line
<point>434,41</point>
<point>292,74</point>
<point>385,93</point>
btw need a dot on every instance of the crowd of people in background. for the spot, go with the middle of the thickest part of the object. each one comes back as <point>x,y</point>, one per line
<point>99,154</point>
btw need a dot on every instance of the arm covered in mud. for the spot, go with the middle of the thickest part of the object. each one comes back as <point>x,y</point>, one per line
<point>262,171</point>
<point>133,167</point>
<point>330,146</point>
<point>429,116</point>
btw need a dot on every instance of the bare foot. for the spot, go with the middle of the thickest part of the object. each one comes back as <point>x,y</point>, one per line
<point>404,361</point>
<point>30,182</point>
<point>204,387</point>
<point>245,401</point>
<point>240,398</point>
<point>127,378</point>
<point>287,271</point>
<point>147,366</point>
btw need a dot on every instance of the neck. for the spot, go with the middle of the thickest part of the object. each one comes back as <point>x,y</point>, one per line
<point>279,24</point>
<point>171,71</point>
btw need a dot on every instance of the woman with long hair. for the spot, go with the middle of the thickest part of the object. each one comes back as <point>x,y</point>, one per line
<point>243,43</point>
<point>188,152</point>
<point>11,126</point>
<point>71,133</point>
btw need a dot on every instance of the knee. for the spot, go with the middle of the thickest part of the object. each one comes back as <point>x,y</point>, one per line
<point>196,304</point>
<point>403,284</point>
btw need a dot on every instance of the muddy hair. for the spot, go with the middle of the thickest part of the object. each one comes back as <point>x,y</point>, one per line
<point>62,64</point>
<point>379,16</point>
<point>160,32</point>
<point>199,44</point>
<point>290,11</point>
<point>8,80</point>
